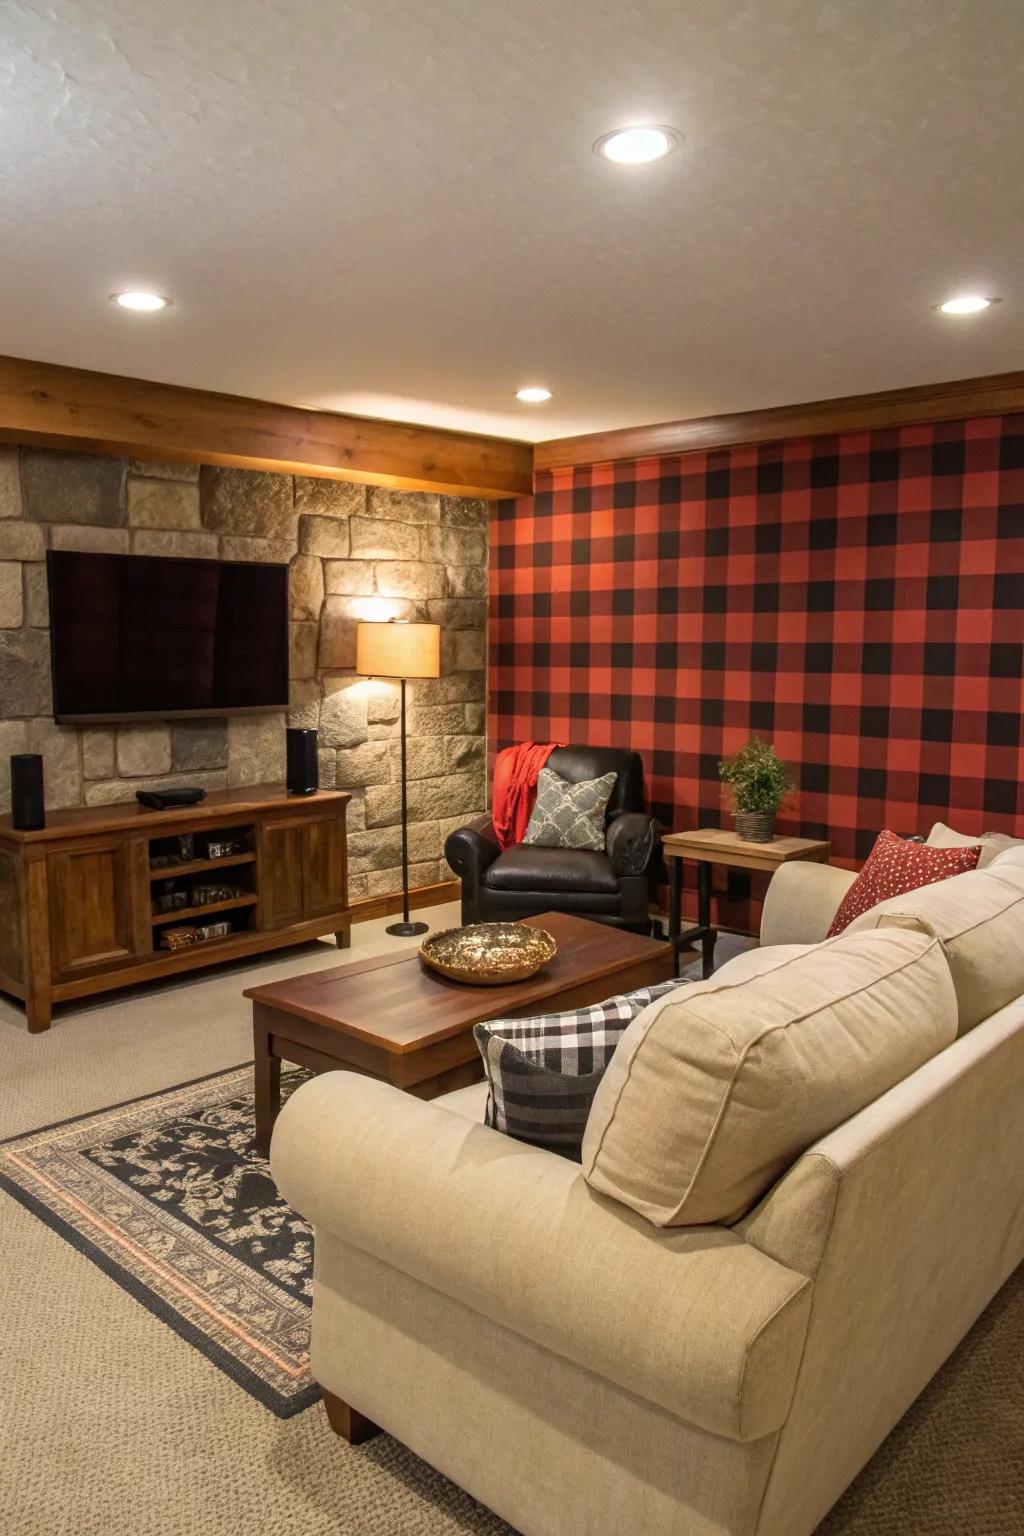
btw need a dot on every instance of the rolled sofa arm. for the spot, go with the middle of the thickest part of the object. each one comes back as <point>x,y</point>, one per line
<point>695,1320</point>
<point>632,842</point>
<point>801,901</point>
<point>472,848</point>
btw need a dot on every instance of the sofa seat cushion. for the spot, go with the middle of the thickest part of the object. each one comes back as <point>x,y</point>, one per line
<point>469,1102</point>
<point>513,906</point>
<point>979,920</point>
<point>526,868</point>
<point>715,1091</point>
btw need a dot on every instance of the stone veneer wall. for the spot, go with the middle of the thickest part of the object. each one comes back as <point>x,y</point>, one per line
<point>354,551</point>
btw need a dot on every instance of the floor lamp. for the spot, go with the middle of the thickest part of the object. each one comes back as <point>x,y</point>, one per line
<point>399,650</point>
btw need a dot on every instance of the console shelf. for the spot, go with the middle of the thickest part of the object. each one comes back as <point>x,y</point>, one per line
<point>76,898</point>
<point>199,866</point>
<point>184,914</point>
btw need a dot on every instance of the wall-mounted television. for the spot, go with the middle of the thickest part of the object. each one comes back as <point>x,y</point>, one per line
<point>133,636</point>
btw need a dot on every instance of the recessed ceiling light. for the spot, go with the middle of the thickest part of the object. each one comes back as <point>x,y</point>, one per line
<point>966,304</point>
<point>535,394</point>
<point>138,298</point>
<point>636,146</point>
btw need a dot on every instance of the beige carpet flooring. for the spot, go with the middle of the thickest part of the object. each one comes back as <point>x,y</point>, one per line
<point>110,1425</point>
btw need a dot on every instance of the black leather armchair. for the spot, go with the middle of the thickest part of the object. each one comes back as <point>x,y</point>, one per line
<point>613,887</point>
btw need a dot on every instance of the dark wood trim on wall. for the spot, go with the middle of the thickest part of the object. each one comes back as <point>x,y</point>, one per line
<point>369,907</point>
<point>57,407</point>
<point>993,395</point>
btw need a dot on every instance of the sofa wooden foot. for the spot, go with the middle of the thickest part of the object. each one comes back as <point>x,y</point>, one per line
<point>348,1422</point>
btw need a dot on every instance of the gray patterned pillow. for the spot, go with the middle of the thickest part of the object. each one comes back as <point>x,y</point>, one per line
<point>569,815</point>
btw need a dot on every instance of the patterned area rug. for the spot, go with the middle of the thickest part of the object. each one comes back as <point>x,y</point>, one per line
<point>168,1195</point>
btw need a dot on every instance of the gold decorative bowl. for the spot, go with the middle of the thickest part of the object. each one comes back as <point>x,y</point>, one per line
<point>489,954</point>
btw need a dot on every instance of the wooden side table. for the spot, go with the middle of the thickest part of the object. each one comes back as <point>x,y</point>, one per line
<point>711,846</point>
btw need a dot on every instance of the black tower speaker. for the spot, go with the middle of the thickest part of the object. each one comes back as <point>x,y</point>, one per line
<point>303,767</point>
<point>27,810</point>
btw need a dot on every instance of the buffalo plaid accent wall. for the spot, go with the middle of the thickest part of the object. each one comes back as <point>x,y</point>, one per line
<point>857,600</point>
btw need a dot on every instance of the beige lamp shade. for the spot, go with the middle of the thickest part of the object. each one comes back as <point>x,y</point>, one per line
<point>395,649</point>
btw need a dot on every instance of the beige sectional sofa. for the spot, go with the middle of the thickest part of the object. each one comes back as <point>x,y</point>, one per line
<point>583,1357</point>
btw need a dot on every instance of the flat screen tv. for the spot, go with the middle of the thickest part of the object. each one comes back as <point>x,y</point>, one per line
<point>136,635</point>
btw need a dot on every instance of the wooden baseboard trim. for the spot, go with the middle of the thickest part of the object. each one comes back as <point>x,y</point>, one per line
<point>419,896</point>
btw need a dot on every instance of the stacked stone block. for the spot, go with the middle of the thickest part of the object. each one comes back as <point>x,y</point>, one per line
<point>354,551</point>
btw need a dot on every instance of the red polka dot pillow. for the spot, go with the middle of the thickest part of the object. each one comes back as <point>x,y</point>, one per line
<point>895,866</point>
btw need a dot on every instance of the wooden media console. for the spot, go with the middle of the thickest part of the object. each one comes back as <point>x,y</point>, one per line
<point>86,901</point>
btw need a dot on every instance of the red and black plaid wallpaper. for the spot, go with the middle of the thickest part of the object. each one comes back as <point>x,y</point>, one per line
<point>856,600</point>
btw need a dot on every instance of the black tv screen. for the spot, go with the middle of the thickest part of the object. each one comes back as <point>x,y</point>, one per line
<point>134,635</point>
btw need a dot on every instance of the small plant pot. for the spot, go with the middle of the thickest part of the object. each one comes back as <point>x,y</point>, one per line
<point>754,826</point>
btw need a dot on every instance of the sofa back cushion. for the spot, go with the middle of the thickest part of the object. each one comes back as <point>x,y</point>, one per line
<point>979,920</point>
<point>992,844</point>
<point>1010,858</point>
<point>575,763</point>
<point>714,1092</point>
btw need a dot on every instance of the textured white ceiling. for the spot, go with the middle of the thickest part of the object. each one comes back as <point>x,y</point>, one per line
<point>391,206</point>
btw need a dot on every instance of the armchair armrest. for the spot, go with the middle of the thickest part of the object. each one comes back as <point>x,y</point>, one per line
<point>472,848</point>
<point>801,901</point>
<point>631,842</point>
<point>695,1320</point>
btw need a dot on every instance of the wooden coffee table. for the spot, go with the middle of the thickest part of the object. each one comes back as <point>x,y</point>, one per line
<point>394,1019</point>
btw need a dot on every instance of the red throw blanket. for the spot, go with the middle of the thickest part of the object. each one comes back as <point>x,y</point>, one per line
<point>515,788</point>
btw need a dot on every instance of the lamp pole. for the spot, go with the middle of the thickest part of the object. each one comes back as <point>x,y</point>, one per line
<point>400,650</point>
<point>405,929</point>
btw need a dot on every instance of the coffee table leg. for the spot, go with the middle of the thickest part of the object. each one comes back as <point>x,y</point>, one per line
<point>267,1072</point>
<point>704,919</point>
<point>675,910</point>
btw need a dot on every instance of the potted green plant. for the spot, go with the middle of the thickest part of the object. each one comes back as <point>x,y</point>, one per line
<point>758,782</point>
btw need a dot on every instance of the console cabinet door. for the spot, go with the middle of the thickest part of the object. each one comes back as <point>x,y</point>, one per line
<point>281,887</point>
<point>324,865</point>
<point>91,919</point>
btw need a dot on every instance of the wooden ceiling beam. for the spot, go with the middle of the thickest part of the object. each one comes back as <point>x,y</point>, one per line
<point>992,395</point>
<point>57,407</point>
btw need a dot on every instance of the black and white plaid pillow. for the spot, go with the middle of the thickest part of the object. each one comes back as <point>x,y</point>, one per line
<point>543,1072</point>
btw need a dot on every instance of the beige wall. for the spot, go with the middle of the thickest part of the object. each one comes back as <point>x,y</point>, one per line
<point>354,551</point>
